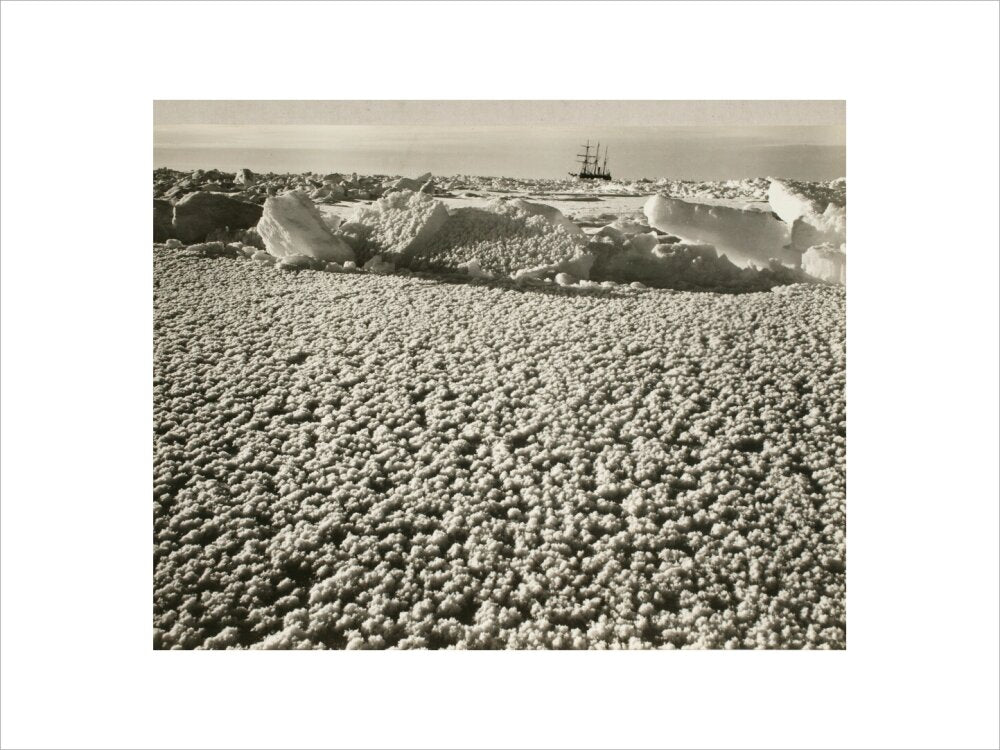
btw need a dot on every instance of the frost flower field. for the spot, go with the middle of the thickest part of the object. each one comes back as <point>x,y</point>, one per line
<point>360,460</point>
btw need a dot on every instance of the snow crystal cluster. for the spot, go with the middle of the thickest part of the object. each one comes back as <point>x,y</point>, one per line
<point>502,238</point>
<point>389,462</point>
<point>398,225</point>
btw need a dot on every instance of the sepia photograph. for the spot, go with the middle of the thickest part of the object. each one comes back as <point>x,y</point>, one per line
<point>461,386</point>
<point>481,377</point>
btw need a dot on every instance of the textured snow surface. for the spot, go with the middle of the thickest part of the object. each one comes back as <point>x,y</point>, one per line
<point>671,264</point>
<point>750,189</point>
<point>552,214</point>
<point>678,265</point>
<point>743,235</point>
<point>502,237</point>
<point>399,224</point>
<point>291,225</point>
<point>363,461</point>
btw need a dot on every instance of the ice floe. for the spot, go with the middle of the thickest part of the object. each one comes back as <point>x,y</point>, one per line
<point>291,225</point>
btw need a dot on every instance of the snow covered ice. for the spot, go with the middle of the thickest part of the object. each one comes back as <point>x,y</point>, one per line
<point>816,213</point>
<point>503,238</point>
<point>743,234</point>
<point>552,215</point>
<point>827,263</point>
<point>400,223</point>
<point>424,421</point>
<point>291,225</point>
<point>199,214</point>
<point>422,184</point>
<point>244,177</point>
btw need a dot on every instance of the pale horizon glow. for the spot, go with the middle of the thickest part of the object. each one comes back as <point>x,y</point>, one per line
<point>702,152</point>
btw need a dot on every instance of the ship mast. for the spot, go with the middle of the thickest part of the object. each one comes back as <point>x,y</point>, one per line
<point>591,166</point>
<point>586,158</point>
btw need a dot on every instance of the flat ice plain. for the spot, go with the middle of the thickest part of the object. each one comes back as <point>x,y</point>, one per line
<point>414,459</point>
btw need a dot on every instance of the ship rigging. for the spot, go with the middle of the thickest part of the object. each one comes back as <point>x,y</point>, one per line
<point>591,167</point>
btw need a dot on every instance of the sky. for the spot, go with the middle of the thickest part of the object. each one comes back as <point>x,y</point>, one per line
<point>679,140</point>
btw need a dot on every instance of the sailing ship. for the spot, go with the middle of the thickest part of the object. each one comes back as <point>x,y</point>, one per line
<point>591,167</point>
